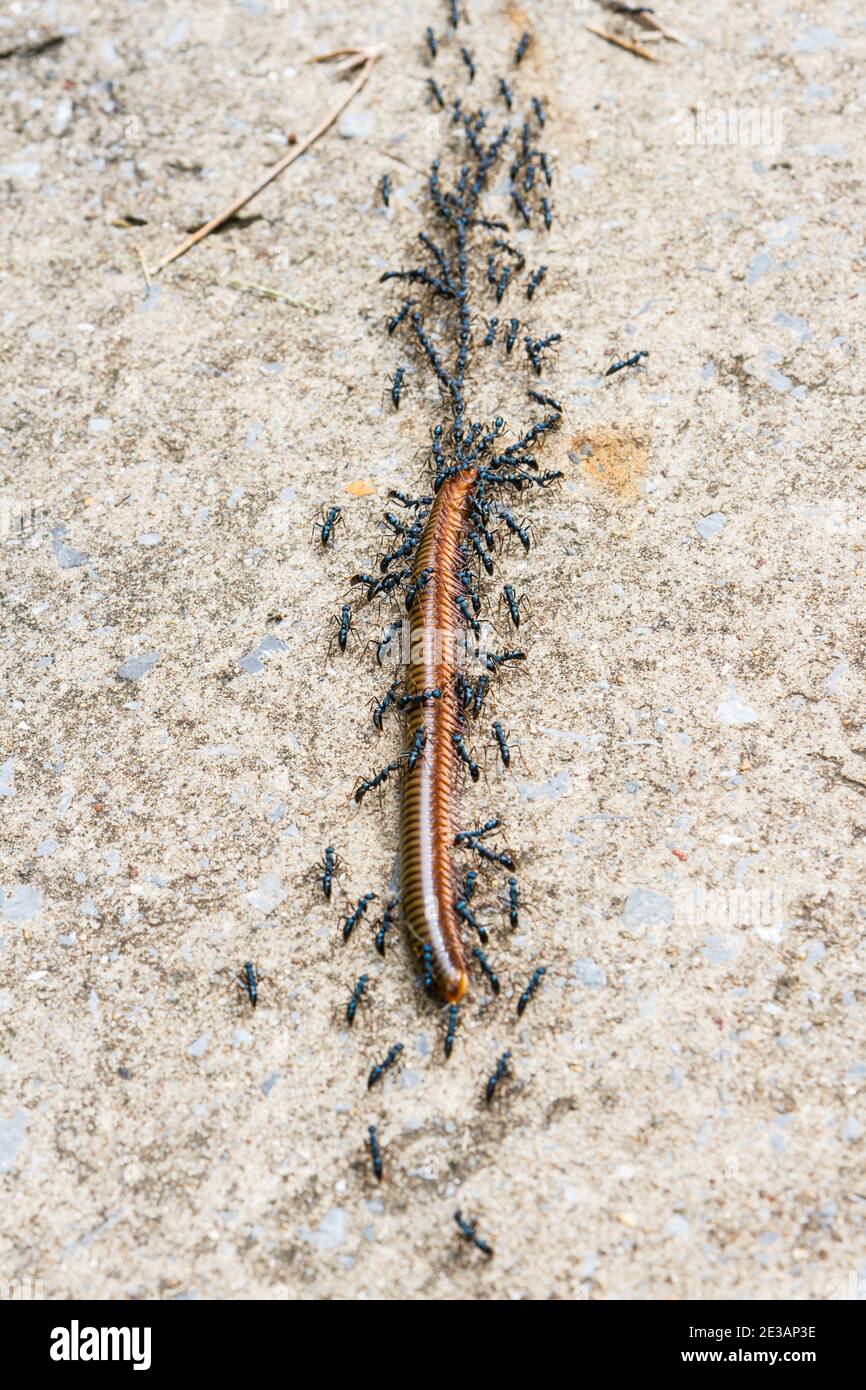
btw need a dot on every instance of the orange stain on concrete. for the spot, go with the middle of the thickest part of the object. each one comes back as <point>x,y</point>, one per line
<point>613,460</point>
<point>517,17</point>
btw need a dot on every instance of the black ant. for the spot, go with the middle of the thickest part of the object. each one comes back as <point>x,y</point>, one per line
<point>547,214</point>
<point>408,501</point>
<point>513,330</point>
<point>389,582</point>
<point>468,583</point>
<point>521,531</point>
<point>513,603</point>
<point>427,969</point>
<point>535,281</point>
<point>396,526</point>
<point>375,1151</point>
<point>249,982</point>
<point>331,517</point>
<point>379,1070</point>
<point>491,332</point>
<point>385,189</point>
<point>344,625</point>
<point>385,925</point>
<point>539,111</point>
<point>381,707</point>
<point>535,347</point>
<point>366,579</point>
<point>506,93</point>
<point>413,701</point>
<point>352,1006</point>
<point>626,362</point>
<point>397,386</point>
<point>522,45</point>
<point>498,1073</point>
<point>453,1011</point>
<point>437,92</point>
<point>470,883</point>
<point>502,284</point>
<point>541,399</point>
<point>432,45</point>
<point>467,58</point>
<point>394,323</point>
<point>328,868</point>
<point>530,989</point>
<point>493,660</point>
<point>487,968</point>
<point>384,644</point>
<point>521,206</point>
<point>504,750</point>
<point>417,585</point>
<point>463,910</point>
<point>513,904</point>
<point>355,916</point>
<point>467,1231</point>
<point>482,554</point>
<point>418,741</point>
<point>463,837</point>
<point>491,856</point>
<point>462,604</point>
<point>370,784</point>
<point>457,740</point>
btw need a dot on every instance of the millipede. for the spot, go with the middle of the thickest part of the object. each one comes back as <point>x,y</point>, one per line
<point>451,545</point>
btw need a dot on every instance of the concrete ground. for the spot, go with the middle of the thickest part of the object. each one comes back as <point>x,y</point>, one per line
<point>684,1115</point>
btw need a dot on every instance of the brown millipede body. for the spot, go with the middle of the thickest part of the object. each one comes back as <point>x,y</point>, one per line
<point>428,822</point>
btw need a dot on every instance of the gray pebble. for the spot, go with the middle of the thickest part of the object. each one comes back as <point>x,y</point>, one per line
<point>137,666</point>
<point>734,712</point>
<point>67,557</point>
<point>646,908</point>
<point>12,1132</point>
<point>355,125</point>
<point>709,526</point>
<point>588,974</point>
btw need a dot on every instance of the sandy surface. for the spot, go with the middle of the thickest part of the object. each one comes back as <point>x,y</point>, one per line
<point>685,1113</point>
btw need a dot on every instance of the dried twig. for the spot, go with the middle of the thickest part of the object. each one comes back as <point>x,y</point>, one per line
<point>630,45</point>
<point>645,18</point>
<point>650,22</point>
<point>144,270</point>
<point>356,58</point>
<point>30,48</point>
<point>269,293</point>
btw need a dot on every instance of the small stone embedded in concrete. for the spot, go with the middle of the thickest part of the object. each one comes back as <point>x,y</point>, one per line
<point>646,908</point>
<point>268,895</point>
<point>21,905</point>
<point>758,266</point>
<point>735,712</point>
<point>138,666</point>
<point>355,125</point>
<point>588,974</point>
<point>67,557</point>
<point>709,526</point>
<point>12,1132</point>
